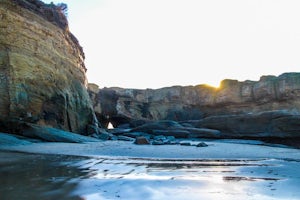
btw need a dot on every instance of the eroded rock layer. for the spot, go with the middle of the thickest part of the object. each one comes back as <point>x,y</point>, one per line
<point>42,72</point>
<point>269,107</point>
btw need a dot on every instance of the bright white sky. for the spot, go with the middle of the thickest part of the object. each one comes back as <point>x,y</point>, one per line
<point>158,43</point>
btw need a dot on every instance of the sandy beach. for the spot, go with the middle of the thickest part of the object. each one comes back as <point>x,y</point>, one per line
<point>224,149</point>
<point>188,100</point>
<point>122,170</point>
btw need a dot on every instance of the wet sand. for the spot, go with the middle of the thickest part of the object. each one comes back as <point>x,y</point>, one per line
<point>223,149</point>
<point>121,170</point>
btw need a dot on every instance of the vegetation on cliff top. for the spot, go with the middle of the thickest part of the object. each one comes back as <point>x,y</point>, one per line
<point>56,14</point>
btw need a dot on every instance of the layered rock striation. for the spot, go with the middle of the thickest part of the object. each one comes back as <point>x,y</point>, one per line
<point>196,102</point>
<point>269,107</point>
<point>42,71</point>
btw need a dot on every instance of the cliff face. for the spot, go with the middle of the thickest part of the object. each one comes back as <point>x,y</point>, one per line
<point>270,93</point>
<point>42,72</point>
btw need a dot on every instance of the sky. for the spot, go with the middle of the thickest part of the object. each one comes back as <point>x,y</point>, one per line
<point>159,43</point>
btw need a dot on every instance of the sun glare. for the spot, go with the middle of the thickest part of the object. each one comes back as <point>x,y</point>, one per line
<point>214,84</point>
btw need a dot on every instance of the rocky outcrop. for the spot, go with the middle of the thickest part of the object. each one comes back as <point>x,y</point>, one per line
<point>271,124</point>
<point>268,108</point>
<point>201,101</point>
<point>42,71</point>
<point>54,135</point>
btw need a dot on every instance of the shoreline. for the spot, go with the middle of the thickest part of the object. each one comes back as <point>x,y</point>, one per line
<point>123,170</point>
<point>218,149</point>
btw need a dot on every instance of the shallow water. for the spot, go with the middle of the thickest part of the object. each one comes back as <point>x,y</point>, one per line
<point>34,176</point>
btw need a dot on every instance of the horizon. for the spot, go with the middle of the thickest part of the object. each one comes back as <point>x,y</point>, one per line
<point>155,44</point>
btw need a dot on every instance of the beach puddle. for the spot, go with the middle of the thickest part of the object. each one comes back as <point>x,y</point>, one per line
<point>33,176</point>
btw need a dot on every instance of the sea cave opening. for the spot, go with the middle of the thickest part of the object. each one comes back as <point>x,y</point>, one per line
<point>110,126</point>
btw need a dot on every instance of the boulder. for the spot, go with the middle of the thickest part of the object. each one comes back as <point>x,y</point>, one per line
<point>137,134</point>
<point>158,125</point>
<point>8,139</point>
<point>172,132</point>
<point>118,131</point>
<point>171,128</point>
<point>185,143</point>
<point>202,132</point>
<point>54,135</point>
<point>170,138</point>
<point>189,125</point>
<point>277,124</point>
<point>125,138</point>
<point>141,140</point>
<point>201,144</point>
<point>159,137</point>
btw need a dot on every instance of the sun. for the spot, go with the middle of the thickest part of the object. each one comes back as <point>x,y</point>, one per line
<point>214,84</point>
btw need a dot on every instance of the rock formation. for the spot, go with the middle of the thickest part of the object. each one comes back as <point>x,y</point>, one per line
<point>197,102</point>
<point>269,107</point>
<point>42,71</point>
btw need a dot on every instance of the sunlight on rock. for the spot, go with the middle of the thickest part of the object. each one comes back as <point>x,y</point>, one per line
<point>215,85</point>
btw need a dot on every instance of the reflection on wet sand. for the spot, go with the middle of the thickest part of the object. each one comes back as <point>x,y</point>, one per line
<point>28,176</point>
<point>241,178</point>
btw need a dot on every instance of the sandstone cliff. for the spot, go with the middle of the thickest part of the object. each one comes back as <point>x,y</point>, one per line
<point>196,102</point>
<point>42,72</point>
